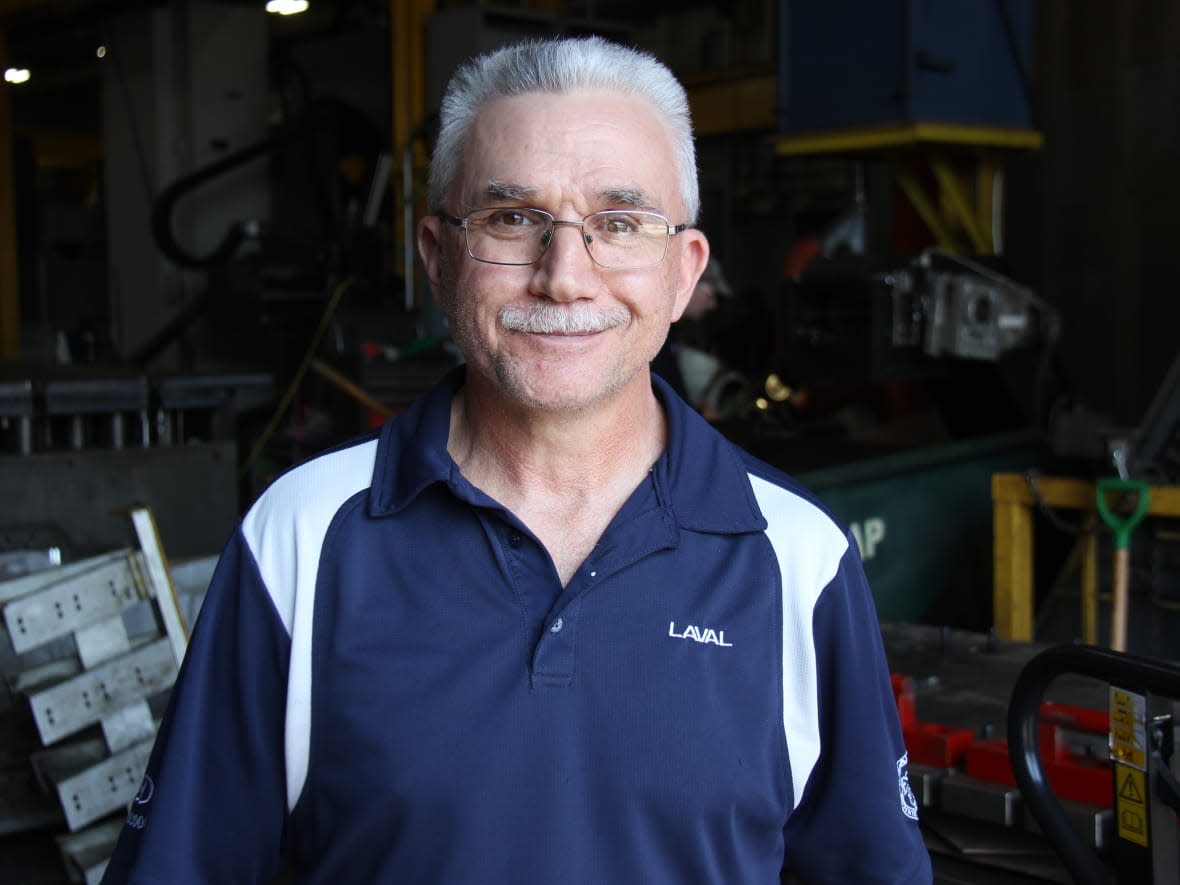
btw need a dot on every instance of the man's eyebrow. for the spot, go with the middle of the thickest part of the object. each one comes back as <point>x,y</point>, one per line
<point>506,190</point>
<point>627,197</point>
<point>621,196</point>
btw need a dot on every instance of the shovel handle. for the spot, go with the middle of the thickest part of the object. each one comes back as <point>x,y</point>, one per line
<point>1118,603</point>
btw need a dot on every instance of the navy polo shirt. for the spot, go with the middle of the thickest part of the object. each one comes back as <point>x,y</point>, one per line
<point>388,684</point>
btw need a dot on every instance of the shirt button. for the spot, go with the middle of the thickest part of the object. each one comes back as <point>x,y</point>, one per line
<point>557,625</point>
<point>514,539</point>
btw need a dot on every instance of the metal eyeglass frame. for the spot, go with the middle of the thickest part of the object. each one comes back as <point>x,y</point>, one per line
<point>554,222</point>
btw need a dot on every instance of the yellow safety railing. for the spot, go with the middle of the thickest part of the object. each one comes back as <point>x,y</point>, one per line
<point>1013,503</point>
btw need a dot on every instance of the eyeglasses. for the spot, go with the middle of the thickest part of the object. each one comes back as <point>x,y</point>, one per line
<point>615,238</point>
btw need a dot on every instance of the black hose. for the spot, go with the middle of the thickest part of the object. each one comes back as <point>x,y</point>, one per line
<point>165,204</point>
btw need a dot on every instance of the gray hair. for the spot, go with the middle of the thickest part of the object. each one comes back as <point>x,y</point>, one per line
<point>560,65</point>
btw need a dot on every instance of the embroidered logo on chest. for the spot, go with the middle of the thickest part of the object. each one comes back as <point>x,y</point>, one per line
<point>703,635</point>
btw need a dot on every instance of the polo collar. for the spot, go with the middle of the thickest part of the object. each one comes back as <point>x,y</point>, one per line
<point>700,477</point>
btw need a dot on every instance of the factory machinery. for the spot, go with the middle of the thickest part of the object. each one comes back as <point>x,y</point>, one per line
<point>1038,764</point>
<point>80,445</point>
<point>1030,762</point>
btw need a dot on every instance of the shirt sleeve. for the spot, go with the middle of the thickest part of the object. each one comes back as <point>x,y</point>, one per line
<point>212,805</point>
<point>858,818</point>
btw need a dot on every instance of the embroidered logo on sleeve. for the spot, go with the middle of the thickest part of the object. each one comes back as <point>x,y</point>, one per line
<point>137,812</point>
<point>909,802</point>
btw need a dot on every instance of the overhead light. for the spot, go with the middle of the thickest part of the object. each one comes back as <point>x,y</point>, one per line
<point>16,76</point>
<point>286,7</point>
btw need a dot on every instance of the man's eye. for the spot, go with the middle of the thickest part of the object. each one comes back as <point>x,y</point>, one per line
<point>619,224</point>
<point>511,218</point>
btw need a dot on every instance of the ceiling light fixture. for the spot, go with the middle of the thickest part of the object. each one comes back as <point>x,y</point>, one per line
<point>286,7</point>
<point>16,76</point>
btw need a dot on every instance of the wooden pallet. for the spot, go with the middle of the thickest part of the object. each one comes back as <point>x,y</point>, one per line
<point>93,709</point>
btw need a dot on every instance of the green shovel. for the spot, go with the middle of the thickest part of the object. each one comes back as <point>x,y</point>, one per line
<point>1121,524</point>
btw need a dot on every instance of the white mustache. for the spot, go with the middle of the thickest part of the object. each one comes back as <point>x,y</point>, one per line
<point>554,319</point>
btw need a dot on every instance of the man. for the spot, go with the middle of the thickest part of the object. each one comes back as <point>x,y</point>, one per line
<point>547,626</point>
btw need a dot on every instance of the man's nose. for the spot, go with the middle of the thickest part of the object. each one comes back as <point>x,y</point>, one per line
<point>562,268</point>
<point>547,240</point>
<point>574,247</point>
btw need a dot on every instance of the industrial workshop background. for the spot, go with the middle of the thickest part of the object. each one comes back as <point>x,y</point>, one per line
<point>949,226</point>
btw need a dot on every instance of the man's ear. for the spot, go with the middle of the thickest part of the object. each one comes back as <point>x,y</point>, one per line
<point>694,256</point>
<point>430,248</point>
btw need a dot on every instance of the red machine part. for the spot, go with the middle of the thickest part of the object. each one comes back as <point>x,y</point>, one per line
<point>928,743</point>
<point>1073,775</point>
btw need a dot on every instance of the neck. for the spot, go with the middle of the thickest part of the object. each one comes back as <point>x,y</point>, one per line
<point>514,453</point>
<point>564,474</point>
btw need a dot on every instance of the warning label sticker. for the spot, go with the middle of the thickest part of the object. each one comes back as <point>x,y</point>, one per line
<point>1131,805</point>
<point>1128,729</point>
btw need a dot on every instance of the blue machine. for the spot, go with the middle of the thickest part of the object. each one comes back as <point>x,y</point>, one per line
<point>862,63</point>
